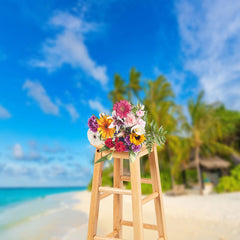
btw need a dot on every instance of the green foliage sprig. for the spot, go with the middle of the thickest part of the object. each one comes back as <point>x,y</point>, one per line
<point>154,135</point>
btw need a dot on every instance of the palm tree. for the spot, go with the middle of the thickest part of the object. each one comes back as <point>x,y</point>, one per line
<point>159,101</point>
<point>162,109</point>
<point>126,91</point>
<point>119,91</point>
<point>180,153</point>
<point>133,88</point>
<point>205,129</point>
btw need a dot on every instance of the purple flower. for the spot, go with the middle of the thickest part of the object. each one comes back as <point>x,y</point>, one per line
<point>136,148</point>
<point>126,148</point>
<point>92,124</point>
<point>127,140</point>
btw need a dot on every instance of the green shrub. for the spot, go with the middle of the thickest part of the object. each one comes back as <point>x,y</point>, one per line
<point>166,182</point>
<point>107,179</point>
<point>146,188</point>
<point>230,183</point>
<point>236,173</point>
<point>191,175</point>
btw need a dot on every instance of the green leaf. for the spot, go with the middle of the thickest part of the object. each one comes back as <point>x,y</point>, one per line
<point>104,148</point>
<point>107,157</point>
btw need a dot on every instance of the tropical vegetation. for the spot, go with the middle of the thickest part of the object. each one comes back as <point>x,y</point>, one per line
<point>230,183</point>
<point>204,130</point>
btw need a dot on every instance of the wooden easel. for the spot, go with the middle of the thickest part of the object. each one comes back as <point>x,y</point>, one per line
<point>99,193</point>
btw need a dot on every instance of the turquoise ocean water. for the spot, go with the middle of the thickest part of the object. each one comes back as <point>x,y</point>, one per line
<point>39,211</point>
<point>12,196</point>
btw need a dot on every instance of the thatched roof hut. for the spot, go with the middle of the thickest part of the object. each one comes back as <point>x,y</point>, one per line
<point>210,163</point>
<point>214,167</point>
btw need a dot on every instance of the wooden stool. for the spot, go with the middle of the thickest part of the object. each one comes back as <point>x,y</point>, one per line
<point>99,193</point>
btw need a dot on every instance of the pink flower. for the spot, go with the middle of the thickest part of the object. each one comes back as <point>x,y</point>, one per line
<point>141,122</point>
<point>122,108</point>
<point>140,113</point>
<point>130,120</point>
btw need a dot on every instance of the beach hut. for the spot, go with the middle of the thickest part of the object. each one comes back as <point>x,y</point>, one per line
<point>214,167</point>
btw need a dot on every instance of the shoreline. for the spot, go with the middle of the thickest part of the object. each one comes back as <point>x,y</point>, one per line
<point>41,218</point>
<point>11,196</point>
<point>64,216</point>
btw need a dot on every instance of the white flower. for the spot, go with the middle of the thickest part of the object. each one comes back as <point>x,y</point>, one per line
<point>141,107</point>
<point>120,134</point>
<point>141,122</point>
<point>138,129</point>
<point>94,138</point>
<point>101,114</point>
<point>117,121</point>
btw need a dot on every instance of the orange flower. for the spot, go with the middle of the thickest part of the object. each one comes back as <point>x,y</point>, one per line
<point>103,128</point>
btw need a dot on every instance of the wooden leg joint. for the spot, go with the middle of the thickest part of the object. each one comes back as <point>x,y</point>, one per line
<point>145,225</point>
<point>150,197</point>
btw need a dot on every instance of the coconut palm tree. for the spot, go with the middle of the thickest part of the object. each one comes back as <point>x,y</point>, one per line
<point>205,129</point>
<point>180,153</point>
<point>161,108</point>
<point>119,92</point>
<point>126,91</point>
<point>159,102</point>
<point>133,88</point>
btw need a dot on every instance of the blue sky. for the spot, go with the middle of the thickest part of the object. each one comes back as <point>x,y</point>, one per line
<point>58,58</point>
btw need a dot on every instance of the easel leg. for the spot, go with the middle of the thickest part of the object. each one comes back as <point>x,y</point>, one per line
<point>136,199</point>
<point>117,198</point>
<point>95,198</point>
<point>156,184</point>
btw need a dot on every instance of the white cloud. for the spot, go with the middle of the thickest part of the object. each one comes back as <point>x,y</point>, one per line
<point>18,151</point>
<point>19,154</point>
<point>68,47</point>
<point>57,148</point>
<point>177,79</point>
<point>210,32</point>
<point>16,170</point>
<point>38,93</point>
<point>70,109</point>
<point>96,105</point>
<point>4,113</point>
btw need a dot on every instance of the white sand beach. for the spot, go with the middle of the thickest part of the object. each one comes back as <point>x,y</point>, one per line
<point>65,217</point>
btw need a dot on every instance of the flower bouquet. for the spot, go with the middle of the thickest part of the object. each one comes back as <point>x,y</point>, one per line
<point>126,130</point>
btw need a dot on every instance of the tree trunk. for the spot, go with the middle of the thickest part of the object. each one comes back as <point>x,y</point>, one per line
<point>172,177</point>
<point>184,177</point>
<point>197,160</point>
<point>171,164</point>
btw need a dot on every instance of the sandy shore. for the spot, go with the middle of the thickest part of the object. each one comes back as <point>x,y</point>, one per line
<point>213,217</point>
<point>65,217</point>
